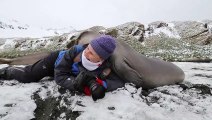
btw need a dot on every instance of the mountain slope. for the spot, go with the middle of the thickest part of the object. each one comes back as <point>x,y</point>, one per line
<point>14,28</point>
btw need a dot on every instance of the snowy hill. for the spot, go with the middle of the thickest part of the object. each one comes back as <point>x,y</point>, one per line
<point>199,32</point>
<point>191,39</point>
<point>14,28</point>
<point>12,25</point>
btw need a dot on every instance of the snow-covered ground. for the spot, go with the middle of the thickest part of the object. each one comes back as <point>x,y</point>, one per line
<point>175,102</point>
<point>31,32</point>
<point>13,28</point>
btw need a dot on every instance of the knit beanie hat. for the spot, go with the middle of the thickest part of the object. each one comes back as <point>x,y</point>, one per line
<point>104,45</point>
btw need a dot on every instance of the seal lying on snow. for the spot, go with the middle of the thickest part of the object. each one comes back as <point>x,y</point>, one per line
<point>133,67</point>
<point>146,72</point>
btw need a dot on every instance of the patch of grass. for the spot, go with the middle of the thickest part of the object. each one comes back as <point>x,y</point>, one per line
<point>13,53</point>
<point>172,49</point>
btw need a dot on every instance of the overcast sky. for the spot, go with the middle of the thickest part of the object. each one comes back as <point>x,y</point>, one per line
<point>83,14</point>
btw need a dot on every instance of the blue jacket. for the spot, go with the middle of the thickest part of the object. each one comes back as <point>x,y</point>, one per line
<point>66,70</point>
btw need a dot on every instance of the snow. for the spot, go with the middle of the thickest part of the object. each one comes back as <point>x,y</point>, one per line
<point>210,29</point>
<point>127,103</point>
<point>13,28</point>
<point>9,43</point>
<point>169,31</point>
<point>31,32</point>
<point>32,43</point>
<point>12,24</point>
<point>34,33</point>
<point>19,96</point>
<point>196,72</point>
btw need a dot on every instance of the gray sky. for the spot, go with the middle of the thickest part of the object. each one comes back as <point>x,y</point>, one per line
<point>82,14</point>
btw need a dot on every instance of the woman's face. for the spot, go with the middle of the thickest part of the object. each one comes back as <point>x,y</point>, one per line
<point>91,55</point>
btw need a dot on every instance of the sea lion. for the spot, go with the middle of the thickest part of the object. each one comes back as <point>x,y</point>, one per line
<point>144,72</point>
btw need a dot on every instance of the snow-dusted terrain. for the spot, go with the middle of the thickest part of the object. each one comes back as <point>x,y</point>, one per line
<point>168,31</point>
<point>191,100</point>
<point>13,28</point>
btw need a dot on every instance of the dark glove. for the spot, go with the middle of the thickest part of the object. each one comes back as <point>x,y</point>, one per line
<point>82,79</point>
<point>97,90</point>
<point>98,93</point>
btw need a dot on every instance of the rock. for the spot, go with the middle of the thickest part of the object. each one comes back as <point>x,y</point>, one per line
<point>50,109</point>
<point>188,29</point>
<point>111,108</point>
<point>191,31</point>
<point>133,29</point>
<point>196,32</point>
<point>208,40</point>
<point>159,29</point>
<point>158,24</point>
<point>112,32</point>
<point>96,29</point>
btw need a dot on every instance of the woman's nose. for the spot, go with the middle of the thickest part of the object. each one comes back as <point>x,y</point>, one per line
<point>87,54</point>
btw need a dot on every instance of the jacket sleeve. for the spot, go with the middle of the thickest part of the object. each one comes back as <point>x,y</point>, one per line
<point>62,70</point>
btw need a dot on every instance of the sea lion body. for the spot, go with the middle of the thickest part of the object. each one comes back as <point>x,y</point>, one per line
<point>144,72</point>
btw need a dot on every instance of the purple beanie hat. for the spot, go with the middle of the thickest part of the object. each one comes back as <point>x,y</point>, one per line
<point>104,46</point>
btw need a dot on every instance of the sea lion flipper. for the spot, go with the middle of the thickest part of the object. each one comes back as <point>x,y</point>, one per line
<point>136,78</point>
<point>5,61</point>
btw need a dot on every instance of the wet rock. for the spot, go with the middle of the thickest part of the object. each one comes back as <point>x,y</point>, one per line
<point>9,105</point>
<point>203,88</point>
<point>51,109</point>
<point>111,108</point>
